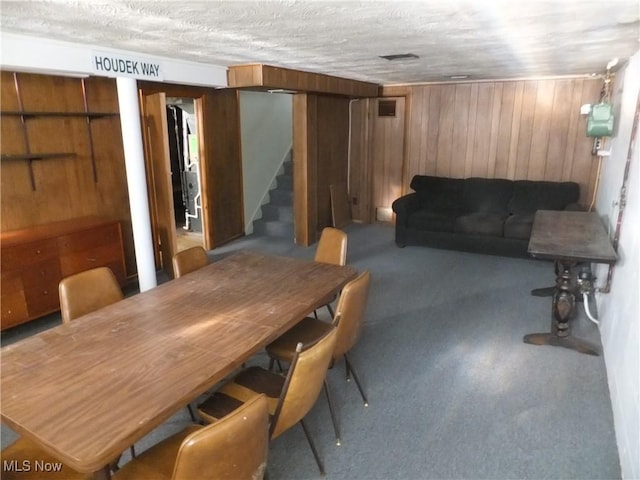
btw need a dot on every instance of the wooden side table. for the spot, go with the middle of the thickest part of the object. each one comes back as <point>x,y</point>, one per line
<point>568,238</point>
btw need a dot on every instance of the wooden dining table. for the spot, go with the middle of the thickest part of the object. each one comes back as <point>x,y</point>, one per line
<point>87,390</point>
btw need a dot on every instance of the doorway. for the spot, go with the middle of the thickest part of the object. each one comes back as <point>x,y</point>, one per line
<point>220,167</point>
<point>185,171</point>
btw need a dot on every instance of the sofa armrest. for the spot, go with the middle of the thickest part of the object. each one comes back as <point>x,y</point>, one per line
<point>404,205</point>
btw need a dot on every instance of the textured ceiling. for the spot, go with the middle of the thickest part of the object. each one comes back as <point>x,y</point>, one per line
<point>482,39</point>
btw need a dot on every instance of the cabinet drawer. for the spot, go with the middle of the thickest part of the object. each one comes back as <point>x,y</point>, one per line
<point>74,262</point>
<point>35,259</point>
<point>41,300</point>
<point>90,239</point>
<point>18,256</point>
<point>43,274</point>
<point>13,304</point>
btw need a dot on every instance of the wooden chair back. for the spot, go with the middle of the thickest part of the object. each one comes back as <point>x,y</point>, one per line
<point>88,291</point>
<point>234,448</point>
<point>350,313</point>
<point>189,260</point>
<point>332,247</point>
<point>303,383</point>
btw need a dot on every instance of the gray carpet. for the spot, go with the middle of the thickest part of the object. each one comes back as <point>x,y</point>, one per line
<point>453,391</point>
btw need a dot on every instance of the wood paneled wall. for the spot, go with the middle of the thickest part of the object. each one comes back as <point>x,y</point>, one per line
<point>360,170</point>
<point>320,150</point>
<point>517,130</point>
<point>530,129</point>
<point>221,161</point>
<point>333,145</point>
<point>387,147</point>
<point>305,169</point>
<point>64,186</point>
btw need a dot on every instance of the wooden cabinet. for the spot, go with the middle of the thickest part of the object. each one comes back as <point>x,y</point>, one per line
<point>34,260</point>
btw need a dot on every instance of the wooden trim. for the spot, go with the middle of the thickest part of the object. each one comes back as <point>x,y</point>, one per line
<point>270,77</point>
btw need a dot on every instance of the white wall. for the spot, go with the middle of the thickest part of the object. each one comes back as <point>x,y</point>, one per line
<point>619,310</point>
<point>267,136</point>
<point>22,53</point>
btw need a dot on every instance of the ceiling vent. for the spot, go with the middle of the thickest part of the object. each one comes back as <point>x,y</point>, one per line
<point>399,56</point>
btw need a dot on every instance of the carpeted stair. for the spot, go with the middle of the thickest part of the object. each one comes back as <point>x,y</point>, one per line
<point>277,215</point>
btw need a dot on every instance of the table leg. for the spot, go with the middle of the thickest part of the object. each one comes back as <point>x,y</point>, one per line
<point>562,309</point>
<point>543,292</point>
<point>547,291</point>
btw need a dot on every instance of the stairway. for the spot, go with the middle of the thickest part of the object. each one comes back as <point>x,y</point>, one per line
<point>277,215</point>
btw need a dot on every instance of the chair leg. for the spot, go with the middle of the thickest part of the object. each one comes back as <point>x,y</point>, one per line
<point>193,415</point>
<point>336,429</point>
<point>313,447</point>
<point>273,362</point>
<point>355,377</point>
<point>330,310</point>
<point>114,466</point>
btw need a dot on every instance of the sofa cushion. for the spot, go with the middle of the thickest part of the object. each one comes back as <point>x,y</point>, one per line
<point>431,221</point>
<point>529,196</point>
<point>480,224</point>
<point>438,194</point>
<point>486,195</point>
<point>519,226</point>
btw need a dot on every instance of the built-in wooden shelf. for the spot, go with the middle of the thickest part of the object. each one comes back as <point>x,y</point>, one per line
<point>25,115</point>
<point>30,114</point>
<point>36,156</point>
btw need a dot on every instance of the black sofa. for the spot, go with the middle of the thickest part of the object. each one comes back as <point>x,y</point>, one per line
<point>482,215</point>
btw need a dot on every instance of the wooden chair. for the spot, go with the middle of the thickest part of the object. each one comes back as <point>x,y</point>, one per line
<point>189,260</point>
<point>332,248</point>
<point>290,398</point>
<point>234,448</point>
<point>348,322</point>
<point>88,291</point>
<point>23,453</point>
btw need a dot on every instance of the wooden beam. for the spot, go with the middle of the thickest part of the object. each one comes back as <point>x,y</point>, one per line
<point>268,77</point>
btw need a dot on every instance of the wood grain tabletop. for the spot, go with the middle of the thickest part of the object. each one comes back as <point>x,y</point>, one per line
<point>572,236</point>
<point>87,390</point>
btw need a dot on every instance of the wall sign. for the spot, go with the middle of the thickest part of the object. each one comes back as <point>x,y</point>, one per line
<point>116,65</point>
